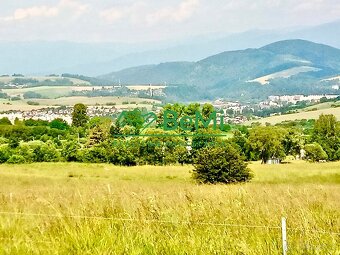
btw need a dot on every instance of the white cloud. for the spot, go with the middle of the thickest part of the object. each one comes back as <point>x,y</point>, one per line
<point>36,11</point>
<point>140,12</point>
<point>112,15</point>
<point>147,20</point>
<point>75,6</point>
<point>47,11</point>
<point>182,12</point>
<point>122,12</point>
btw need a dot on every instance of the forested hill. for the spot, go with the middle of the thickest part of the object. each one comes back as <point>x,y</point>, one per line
<point>285,64</point>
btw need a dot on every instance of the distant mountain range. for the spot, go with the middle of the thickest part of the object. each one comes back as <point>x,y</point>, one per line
<point>284,67</point>
<point>94,59</point>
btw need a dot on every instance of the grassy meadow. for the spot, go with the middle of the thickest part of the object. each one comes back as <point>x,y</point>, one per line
<point>120,102</point>
<point>299,116</point>
<point>46,91</point>
<point>69,208</point>
<point>70,101</point>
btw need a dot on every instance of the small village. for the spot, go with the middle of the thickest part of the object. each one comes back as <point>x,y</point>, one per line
<point>234,112</point>
<point>63,112</point>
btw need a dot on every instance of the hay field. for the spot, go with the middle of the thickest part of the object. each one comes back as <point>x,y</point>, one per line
<point>91,100</point>
<point>68,208</point>
<point>145,87</point>
<point>21,105</point>
<point>298,116</point>
<point>6,105</point>
<point>284,74</point>
<point>45,91</point>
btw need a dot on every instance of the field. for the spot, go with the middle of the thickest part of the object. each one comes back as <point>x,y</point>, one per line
<point>284,74</point>
<point>299,116</point>
<point>68,208</point>
<point>21,105</point>
<point>45,91</point>
<point>54,92</point>
<point>92,100</point>
<point>333,78</point>
<point>43,78</point>
<point>145,87</point>
<point>6,105</point>
<point>321,106</point>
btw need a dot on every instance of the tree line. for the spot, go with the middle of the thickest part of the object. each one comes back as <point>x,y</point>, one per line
<point>125,142</point>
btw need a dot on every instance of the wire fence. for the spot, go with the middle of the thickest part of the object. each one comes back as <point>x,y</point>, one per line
<point>26,215</point>
<point>283,226</point>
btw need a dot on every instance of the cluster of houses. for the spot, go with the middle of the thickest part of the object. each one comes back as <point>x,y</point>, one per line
<point>235,107</point>
<point>297,98</point>
<point>64,113</point>
<point>232,111</point>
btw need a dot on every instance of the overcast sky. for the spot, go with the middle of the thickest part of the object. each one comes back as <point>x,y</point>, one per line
<point>153,20</point>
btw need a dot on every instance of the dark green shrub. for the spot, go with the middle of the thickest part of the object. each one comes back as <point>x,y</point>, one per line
<point>222,164</point>
<point>70,151</point>
<point>26,151</point>
<point>123,153</point>
<point>5,121</point>
<point>4,154</point>
<point>46,153</point>
<point>96,154</point>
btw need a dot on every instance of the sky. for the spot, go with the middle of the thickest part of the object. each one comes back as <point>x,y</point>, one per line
<point>153,20</point>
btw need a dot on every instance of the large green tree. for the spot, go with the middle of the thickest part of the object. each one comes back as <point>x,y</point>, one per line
<point>268,142</point>
<point>314,152</point>
<point>79,115</point>
<point>326,132</point>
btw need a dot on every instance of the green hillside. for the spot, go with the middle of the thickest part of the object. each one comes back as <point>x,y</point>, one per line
<point>228,74</point>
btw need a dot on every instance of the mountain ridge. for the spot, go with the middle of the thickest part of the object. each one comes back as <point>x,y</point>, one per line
<point>92,59</point>
<point>233,68</point>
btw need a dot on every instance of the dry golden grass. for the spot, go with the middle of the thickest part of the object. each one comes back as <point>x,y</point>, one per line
<point>264,80</point>
<point>91,100</point>
<point>160,210</point>
<point>6,105</point>
<point>299,116</point>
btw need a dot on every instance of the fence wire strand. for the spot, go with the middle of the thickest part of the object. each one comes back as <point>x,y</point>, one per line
<point>162,221</point>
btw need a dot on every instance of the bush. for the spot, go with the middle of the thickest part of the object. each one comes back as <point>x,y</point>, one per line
<point>222,164</point>
<point>122,154</point>
<point>31,94</point>
<point>26,151</point>
<point>16,98</point>
<point>5,121</point>
<point>46,153</point>
<point>59,124</point>
<point>96,154</point>
<point>314,152</point>
<point>16,159</point>
<point>70,151</point>
<point>32,103</point>
<point>3,95</point>
<point>4,154</point>
<point>3,140</point>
